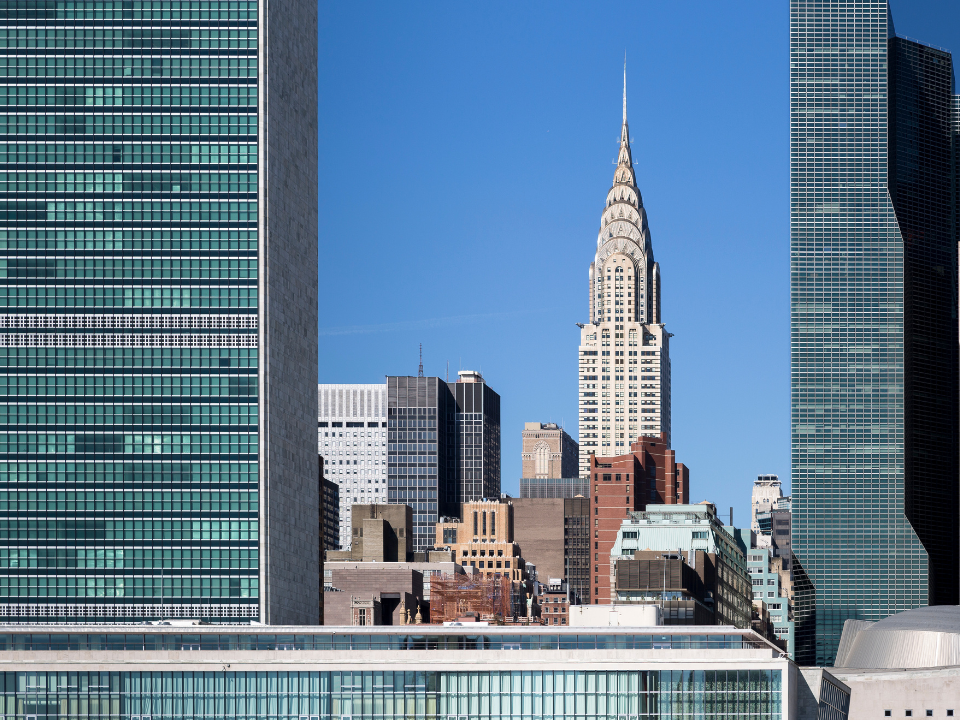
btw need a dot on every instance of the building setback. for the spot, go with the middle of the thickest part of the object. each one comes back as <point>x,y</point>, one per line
<point>352,438</point>
<point>624,356</point>
<point>160,338</point>
<point>874,363</point>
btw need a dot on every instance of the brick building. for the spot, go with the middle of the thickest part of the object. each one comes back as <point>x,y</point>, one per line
<point>650,475</point>
<point>555,606</point>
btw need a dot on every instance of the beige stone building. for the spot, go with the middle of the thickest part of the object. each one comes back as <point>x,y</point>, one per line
<point>624,356</point>
<point>549,452</point>
<point>484,539</point>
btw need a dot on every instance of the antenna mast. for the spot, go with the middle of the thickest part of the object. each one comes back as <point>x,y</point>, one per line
<point>420,369</point>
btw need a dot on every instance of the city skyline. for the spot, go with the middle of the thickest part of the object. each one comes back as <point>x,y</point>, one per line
<point>509,112</point>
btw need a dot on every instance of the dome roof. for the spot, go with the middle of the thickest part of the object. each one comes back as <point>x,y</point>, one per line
<point>923,638</point>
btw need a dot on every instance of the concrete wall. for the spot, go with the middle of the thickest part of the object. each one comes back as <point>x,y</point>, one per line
<point>538,530</point>
<point>366,583</point>
<point>289,487</point>
<point>874,691</point>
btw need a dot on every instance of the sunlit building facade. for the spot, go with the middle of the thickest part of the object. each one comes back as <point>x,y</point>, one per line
<point>873,323</point>
<point>158,342</point>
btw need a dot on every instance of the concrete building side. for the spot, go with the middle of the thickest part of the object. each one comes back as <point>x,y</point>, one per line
<point>288,287</point>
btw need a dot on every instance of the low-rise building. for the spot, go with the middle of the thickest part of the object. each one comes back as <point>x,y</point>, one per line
<point>222,672</point>
<point>667,581</point>
<point>687,529</point>
<point>379,533</point>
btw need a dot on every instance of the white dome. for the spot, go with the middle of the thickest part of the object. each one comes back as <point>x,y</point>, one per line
<point>927,637</point>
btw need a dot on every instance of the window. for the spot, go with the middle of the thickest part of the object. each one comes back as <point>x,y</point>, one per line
<point>887,713</point>
<point>909,713</point>
<point>929,713</point>
<point>950,713</point>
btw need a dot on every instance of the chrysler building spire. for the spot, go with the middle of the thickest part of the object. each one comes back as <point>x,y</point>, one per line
<point>624,89</point>
<point>624,317</point>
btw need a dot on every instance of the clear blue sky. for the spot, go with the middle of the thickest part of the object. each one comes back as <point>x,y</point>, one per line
<point>465,156</point>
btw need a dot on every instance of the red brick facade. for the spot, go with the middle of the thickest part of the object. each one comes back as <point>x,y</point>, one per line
<point>649,475</point>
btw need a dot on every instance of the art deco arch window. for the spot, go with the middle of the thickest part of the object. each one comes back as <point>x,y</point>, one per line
<point>541,459</point>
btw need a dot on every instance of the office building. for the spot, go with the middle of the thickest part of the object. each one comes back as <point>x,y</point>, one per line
<point>649,475</point>
<point>330,513</point>
<point>577,546</point>
<point>624,358</point>
<point>477,427</point>
<point>709,548</point>
<point>390,673</point>
<point>874,367</point>
<point>772,595</point>
<point>159,224</point>
<point>549,452</point>
<point>352,438</point>
<point>484,539</point>
<point>766,491</point>
<point>443,447</point>
<point>554,487</point>
<point>555,601</point>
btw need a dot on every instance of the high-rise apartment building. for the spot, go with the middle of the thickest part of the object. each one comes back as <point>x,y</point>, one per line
<point>352,438</point>
<point>443,447</point>
<point>159,349</point>
<point>549,452</point>
<point>873,323</point>
<point>624,348</point>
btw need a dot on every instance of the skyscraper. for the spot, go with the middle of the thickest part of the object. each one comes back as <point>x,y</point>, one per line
<point>352,439</point>
<point>159,352</point>
<point>443,447</point>
<point>873,322</point>
<point>624,349</point>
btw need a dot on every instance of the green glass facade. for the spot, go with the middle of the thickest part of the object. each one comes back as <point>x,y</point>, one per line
<point>131,368</point>
<point>873,322</point>
<point>597,695</point>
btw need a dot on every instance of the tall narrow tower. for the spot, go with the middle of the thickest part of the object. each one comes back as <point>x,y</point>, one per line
<point>624,349</point>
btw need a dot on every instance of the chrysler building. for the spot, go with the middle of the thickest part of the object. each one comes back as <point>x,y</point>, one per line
<point>624,349</point>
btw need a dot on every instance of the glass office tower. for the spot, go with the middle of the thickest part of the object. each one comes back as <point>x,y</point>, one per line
<point>873,322</point>
<point>158,341</point>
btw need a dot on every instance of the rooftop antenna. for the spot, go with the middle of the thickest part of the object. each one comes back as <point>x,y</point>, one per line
<point>448,371</point>
<point>420,369</point>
